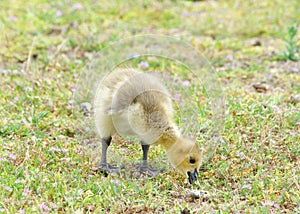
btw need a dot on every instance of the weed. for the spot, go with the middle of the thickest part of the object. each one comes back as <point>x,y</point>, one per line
<point>291,44</point>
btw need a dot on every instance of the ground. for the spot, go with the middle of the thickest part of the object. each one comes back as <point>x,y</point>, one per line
<point>46,166</point>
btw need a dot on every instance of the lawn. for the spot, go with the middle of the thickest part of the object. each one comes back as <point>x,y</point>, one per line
<point>49,150</point>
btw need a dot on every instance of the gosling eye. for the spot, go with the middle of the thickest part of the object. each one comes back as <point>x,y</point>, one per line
<point>192,160</point>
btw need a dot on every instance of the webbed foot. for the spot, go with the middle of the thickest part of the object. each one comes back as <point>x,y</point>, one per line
<point>147,170</point>
<point>106,169</point>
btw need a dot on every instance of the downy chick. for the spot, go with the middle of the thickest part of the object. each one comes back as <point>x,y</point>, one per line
<point>133,103</point>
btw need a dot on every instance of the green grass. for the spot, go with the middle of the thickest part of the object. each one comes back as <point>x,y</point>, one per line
<point>46,167</point>
<point>292,46</point>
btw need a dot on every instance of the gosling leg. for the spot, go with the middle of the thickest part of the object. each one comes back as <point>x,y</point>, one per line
<point>144,167</point>
<point>105,167</point>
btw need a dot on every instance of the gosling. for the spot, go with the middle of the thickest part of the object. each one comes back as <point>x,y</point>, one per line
<point>134,103</point>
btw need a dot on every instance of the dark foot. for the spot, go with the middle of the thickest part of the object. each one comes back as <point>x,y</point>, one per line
<point>147,170</point>
<point>106,169</point>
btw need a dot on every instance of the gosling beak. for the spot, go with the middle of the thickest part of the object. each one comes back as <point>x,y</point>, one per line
<point>193,176</point>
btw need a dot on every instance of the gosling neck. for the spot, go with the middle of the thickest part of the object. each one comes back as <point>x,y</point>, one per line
<point>169,138</point>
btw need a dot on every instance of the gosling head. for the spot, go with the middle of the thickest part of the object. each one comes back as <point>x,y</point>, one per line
<point>185,155</point>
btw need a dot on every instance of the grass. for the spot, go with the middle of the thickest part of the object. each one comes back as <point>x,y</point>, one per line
<point>292,46</point>
<point>44,164</point>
